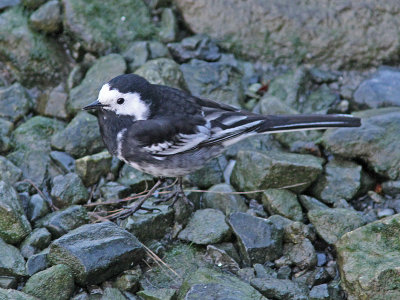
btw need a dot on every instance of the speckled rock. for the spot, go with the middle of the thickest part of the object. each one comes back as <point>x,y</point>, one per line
<point>90,168</point>
<point>12,263</point>
<point>67,190</point>
<point>15,295</point>
<point>15,102</point>
<point>37,240</point>
<point>282,202</point>
<point>47,18</point>
<point>221,196</point>
<point>9,173</point>
<point>280,288</point>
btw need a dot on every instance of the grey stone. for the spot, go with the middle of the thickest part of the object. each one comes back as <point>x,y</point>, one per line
<point>135,179</point>
<point>169,26</point>
<point>53,103</point>
<point>37,207</point>
<point>310,203</point>
<point>376,142</point>
<point>55,283</point>
<point>368,259</point>
<point>12,262</point>
<point>103,70</point>
<point>260,143</point>
<point>391,188</point>
<point>32,147</point>
<point>8,282</point>
<point>67,190</point>
<point>113,190</point>
<point>90,168</point>
<point>340,180</point>
<point>8,3</point>
<point>331,224</point>
<point>15,102</point>
<point>5,129</point>
<point>280,288</point>
<point>9,173</point>
<point>206,226</point>
<point>163,71</point>
<point>32,4</point>
<point>15,295</point>
<point>37,262</point>
<point>158,50</point>
<point>128,280</point>
<point>222,259</point>
<point>220,196</point>
<point>136,54</point>
<point>37,240</point>
<point>64,220</point>
<point>282,202</point>
<point>212,173</point>
<point>197,46</point>
<point>301,254</point>
<point>47,18</point>
<point>304,33</point>
<point>104,27</point>
<point>32,58</point>
<point>81,248</point>
<point>158,294</point>
<point>320,292</point>
<point>219,81</point>
<point>81,136</point>
<point>207,283</point>
<point>255,171</point>
<point>150,225</point>
<point>63,160</point>
<point>381,90</point>
<point>259,239</point>
<point>112,294</point>
<point>14,226</point>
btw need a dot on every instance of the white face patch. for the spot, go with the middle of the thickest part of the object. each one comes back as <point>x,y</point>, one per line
<point>133,105</point>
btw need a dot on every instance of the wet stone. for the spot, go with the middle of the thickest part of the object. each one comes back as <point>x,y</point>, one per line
<point>37,207</point>
<point>206,226</point>
<point>64,220</point>
<point>259,239</point>
<point>90,168</point>
<point>37,240</point>
<point>14,226</point>
<point>63,160</point>
<point>68,190</point>
<point>80,250</point>
<point>47,18</point>
<point>221,197</point>
<point>282,202</point>
<point>8,171</point>
<point>55,283</point>
<point>37,262</point>
<point>12,262</point>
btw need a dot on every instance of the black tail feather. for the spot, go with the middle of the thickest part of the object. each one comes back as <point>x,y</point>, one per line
<point>298,122</point>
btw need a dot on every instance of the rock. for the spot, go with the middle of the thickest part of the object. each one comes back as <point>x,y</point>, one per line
<point>37,262</point>
<point>280,288</point>
<point>331,224</point>
<point>53,103</point>
<point>210,174</point>
<point>198,46</point>
<point>206,226</point>
<point>81,136</point>
<point>207,283</point>
<point>391,188</point>
<point>136,54</point>
<point>135,179</point>
<point>11,261</point>
<point>14,226</point>
<point>5,129</point>
<point>157,294</point>
<point>8,3</point>
<point>221,197</point>
<point>150,225</point>
<point>222,259</point>
<point>259,239</point>
<point>32,147</point>
<point>310,203</point>
<point>112,294</point>
<point>8,282</point>
<point>169,26</point>
<point>32,4</point>
<point>320,292</point>
<point>377,135</point>
<point>128,280</point>
<point>341,180</point>
<point>15,295</point>
<point>37,207</point>
<point>64,220</point>
<point>284,34</point>
<point>47,18</point>
<point>104,27</point>
<point>255,171</point>
<point>32,58</point>
<point>158,50</point>
<point>68,190</point>
<point>55,283</point>
<point>39,239</point>
<point>381,90</point>
<point>9,173</point>
<point>103,70</point>
<point>15,102</point>
<point>219,81</point>
<point>113,190</point>
<point>282,202</point>
<point>81,248</point>
<point>162,71</point>
<point>90,168</point>
<point>63,161</point>
<point>301,254</point>
<point>368,259</point>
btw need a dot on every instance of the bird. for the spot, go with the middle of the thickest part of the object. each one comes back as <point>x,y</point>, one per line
<point>167,132</point>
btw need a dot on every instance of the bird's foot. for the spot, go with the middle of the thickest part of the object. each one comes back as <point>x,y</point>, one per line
<point>177,194</point>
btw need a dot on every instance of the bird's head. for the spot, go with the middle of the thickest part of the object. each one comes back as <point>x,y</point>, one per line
<point>126,95</point>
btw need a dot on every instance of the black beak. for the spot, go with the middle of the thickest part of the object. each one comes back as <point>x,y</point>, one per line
<point>94,105</point>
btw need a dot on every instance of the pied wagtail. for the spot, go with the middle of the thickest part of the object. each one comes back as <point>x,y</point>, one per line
<point>167,132</point>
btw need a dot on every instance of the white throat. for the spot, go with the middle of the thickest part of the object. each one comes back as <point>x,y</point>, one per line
<point>133,105</point>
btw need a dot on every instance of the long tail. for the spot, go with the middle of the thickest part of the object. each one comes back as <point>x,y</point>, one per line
<point>282,123</point>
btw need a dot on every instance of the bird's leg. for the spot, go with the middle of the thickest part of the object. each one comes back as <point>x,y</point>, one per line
<point>175,195</point>
<point>138,204</point>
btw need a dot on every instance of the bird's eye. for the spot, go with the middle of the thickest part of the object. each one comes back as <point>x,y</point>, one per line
<point>120,100</point>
